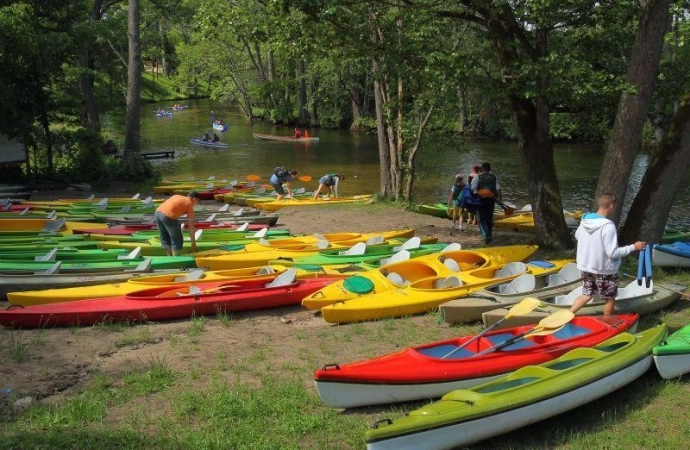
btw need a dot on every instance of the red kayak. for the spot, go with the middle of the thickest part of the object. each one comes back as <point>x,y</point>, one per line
<point>432,370</point>
<point>168,302</point>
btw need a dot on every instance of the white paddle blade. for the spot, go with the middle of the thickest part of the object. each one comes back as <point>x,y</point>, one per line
<point>243,227</point>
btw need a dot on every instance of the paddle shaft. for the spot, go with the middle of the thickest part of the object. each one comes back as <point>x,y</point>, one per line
<point>474,338</point>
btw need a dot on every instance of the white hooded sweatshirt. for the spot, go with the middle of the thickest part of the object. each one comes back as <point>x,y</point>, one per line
<point>597,245</point>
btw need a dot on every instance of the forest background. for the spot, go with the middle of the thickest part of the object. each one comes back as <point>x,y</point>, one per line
<point>533,71</point>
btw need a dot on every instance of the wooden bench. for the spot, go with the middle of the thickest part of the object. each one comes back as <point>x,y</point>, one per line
<point>155,155</point>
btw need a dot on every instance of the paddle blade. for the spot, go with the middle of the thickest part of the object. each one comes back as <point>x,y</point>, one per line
<point>304,178</point>
<point>555,320</point>
<point>253,178</point>
<point>544,332</point>
<point>525,306</point>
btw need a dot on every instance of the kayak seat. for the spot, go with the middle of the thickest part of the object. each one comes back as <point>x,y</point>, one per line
<point>402,255</point>
<point>411,243</point>
<point>567,274</point>
<point>359,248</point>
<point>523,283</point>
<point>193,275</point>
<point>510,269</point>
<point>284,279</point>
<point>500,338</point>
<point>442,350</point>
<point>570,297</point>
<point>375,240</point>
<point>570,331</point>
<point>633,290</point>
<point>397,279</point>
<point>266,270</point>
<point>448,282</point>
<point>451,264</point>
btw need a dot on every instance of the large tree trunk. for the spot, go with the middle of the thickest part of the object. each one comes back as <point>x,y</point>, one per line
<point>633,107</point>
<point>132,162</point>
<point>665,176</point>
<point>382,136</point>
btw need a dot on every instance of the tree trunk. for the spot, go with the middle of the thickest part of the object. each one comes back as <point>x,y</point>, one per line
<point>384,149</point>
<point>132,162</point>
<point>632,109</point>
<point>665,176</point>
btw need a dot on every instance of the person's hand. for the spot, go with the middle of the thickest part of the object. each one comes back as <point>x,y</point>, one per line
<point>639,245</point>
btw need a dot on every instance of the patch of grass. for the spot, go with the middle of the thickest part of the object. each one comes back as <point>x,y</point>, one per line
<point>18,347</point>
<point>39,338</point>
<point>142,335</point>
<point>224,318</point>
<point>196,325</point>
<point>157,377</point>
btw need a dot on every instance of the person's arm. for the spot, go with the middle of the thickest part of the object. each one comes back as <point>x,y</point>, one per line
<point>192,232</point>
<point>474,185</point>
<point>289,189</point>
<point>499,192</point>
<point>334,189</point>
<point>450,197</point>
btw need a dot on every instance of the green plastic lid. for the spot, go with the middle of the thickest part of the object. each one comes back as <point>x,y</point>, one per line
<point>310,267</point>
<point>358,285</point>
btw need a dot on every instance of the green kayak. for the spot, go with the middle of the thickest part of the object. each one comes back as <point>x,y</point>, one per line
<point>524,397</point>
<point>75,266</point>
<point>47,245</point>
<point>64,254</point>
<point>436,210</point>
<point>359,253</point>
<point>672,356</point>
<point>12,240</point>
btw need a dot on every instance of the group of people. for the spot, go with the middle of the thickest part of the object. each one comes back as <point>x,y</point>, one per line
<point>300,134</point>
<point>474,201</point>
<point>281,180</point>
<point>208,138</point>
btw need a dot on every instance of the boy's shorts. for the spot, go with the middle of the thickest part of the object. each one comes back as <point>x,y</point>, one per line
<point>606,285</point>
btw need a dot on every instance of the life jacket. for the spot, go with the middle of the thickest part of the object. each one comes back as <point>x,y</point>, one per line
<point>330,181</point>
<point>486,188</point>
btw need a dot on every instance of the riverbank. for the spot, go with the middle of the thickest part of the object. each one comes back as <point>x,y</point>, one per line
<point>245,381</point>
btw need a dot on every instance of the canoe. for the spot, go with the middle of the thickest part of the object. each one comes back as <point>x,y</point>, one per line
<point>166,303</point>
<point>198,141</point>
<point>447,262</point>
<point>77,266</point>
<point>284,203</point>
<point>676,254</point>
<point>428,371</point>
<point>65,254</point>
<point>28,224</point>
<point>672,355</point>
<point>524,221</point>
<point>143,281</point>
<point>436,210</point>
<point>360,251</point>
<point>526,396</point>
<point>427,294</point>
<point>27,282</point>
<point>508,293</point>
<point>273,137</point>
<point>632,298</point>
<point>262,253</point>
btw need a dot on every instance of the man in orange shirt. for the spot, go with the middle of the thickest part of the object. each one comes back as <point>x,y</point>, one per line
<point>170,228</point>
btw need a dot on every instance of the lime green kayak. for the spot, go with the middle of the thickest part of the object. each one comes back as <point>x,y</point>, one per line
<point>47,245</point>
<point>672,356</point>
<point>359,253</point>
<point>156,263</point>
<point>436,210</point>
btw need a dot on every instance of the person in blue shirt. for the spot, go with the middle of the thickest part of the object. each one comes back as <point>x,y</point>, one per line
<point>281,182</point>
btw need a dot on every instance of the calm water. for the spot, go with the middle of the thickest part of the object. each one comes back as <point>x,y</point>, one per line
<point>355,155</point>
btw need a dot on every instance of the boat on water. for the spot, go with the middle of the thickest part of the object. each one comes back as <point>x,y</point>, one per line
<point>632,298</point>
<point>203,143</point>
<point>220,127</point>
<point>273,137</point>
<point>168,303</point>
<point>526,396</point>
<point>676,254</point>
<point>431,370</point>
<point>672,355</point>
<point>507,293</point>
<point>162,114</point>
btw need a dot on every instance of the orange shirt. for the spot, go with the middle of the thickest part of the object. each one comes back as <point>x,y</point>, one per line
<point>176,206</point>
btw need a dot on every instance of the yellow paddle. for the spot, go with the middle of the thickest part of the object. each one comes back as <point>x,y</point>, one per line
<point>548,325</point>
<point>253,177</point>
<point>525,306</point>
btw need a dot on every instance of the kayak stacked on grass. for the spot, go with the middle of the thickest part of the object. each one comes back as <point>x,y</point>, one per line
<point>676,254</point>
<point>526,396</point>
<point>428,371</point>
<point>672,355</point>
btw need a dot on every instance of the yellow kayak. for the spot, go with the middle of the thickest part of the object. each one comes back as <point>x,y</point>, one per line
<point>427,294</point>
<point>136,283</point>
<point>36,224</point>
<point>258,254</point>
<point>283,203</point>
<point>445,263</point>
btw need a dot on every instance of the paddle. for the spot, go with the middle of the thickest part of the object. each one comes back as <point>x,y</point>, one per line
<point>548,325</point>
<point>508,210</point>
<point>640,268</point>
<point>253,177</point>
<point>525,306</point>
<point>648,264</point>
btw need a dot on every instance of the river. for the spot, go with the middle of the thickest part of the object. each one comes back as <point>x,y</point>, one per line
<point>355,155</point>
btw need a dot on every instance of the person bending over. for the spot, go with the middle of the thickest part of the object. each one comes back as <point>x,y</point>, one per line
<point>278,180</point>
<point>330,181</point>
<point>169,227</point>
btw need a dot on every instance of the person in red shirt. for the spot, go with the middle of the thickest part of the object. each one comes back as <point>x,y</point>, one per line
<point>297,135</point>
<point>169,228</point>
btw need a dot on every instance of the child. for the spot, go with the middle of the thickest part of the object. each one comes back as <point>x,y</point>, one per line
<point>454,202</point>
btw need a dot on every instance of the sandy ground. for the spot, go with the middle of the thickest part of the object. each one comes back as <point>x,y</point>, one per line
<point>48,364</point>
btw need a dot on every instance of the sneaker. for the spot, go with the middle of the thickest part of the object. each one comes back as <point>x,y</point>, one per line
<point>459,228</point>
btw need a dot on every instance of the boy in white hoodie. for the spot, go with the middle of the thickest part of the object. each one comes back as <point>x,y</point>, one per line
<point>599,256</point>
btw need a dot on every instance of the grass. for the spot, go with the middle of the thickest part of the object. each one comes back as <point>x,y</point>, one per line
<point>17,347</point>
